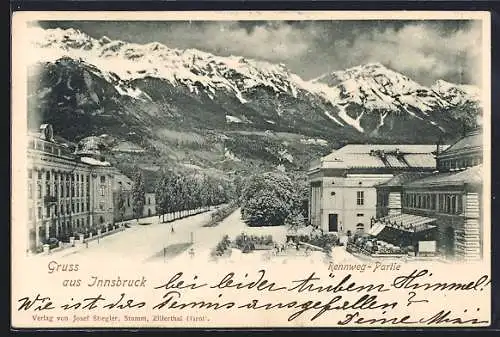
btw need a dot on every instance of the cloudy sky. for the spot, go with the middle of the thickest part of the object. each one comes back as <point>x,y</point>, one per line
<point>423,50</point>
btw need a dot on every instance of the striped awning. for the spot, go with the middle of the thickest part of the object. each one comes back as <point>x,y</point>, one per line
<point>405,222</point>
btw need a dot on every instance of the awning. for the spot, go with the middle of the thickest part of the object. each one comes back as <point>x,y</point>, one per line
<point>405,222</point>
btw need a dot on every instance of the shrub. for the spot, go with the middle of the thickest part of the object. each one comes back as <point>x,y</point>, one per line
<point>222,246</point>
<point>325,241</point>
<point>219,215</point>
<point>247,243</point>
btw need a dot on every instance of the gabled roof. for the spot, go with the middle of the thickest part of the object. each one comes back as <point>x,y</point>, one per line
<point>121,181</point>
<point>394,156</point>
<point>403,178</point>
<point>471,176</point>
<point>472,141</point>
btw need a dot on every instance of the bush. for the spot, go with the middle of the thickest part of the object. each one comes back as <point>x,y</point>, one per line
<point>325,241</point>
<point>219,215</point>
<point>247,243</point>
<point>222,246</point>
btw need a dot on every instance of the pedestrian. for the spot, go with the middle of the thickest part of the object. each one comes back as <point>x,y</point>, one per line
<point>191,252</point>
<point>172,230</point>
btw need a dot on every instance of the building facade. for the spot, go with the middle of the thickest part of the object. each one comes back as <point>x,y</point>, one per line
<point>150,204</point>
<point>67,193</point>
<point>450,199</point>
<point>150,180</point>
<point>122,194</point>
<point>343,195</point>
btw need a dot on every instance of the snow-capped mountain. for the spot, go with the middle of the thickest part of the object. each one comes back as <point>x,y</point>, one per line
<point>155,84</point>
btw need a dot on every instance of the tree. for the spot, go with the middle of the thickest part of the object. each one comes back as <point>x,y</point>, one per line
<point>268,199</point>
<point>295,220</point>
<point>138,194</point>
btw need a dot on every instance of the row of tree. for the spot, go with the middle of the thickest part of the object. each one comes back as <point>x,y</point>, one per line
<point>181,193</point>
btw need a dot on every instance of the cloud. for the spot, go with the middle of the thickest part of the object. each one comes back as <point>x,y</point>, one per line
<point>421,50</point>
<point>273,41</point>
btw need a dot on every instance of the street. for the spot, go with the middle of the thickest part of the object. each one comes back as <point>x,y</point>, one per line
<point>153,241</point>
<point>139,242</point>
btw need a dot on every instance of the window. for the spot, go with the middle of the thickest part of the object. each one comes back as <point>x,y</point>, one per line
<point>128,202</point>
<point>62,209</point>
<point>149,201</point>
<point>47,176</point>
<point>360,198</point>
<point>30,191</point>
<point>47,189</point>
<point>103,179</point>
<point>101,219</point>
<point>101,206</point>
<point>40,175</point>
<point>433,201</point>
<point>453,206</point>
<point>78,208</point>
<point>39,190</point>
<point>102,191</point>
<point>360,214</point>
<point>459,204</point>
<point>83,207</point>
<point>47,212</point>
<point>72,207</point>
<point>39,212</point>
<point>88,206</point>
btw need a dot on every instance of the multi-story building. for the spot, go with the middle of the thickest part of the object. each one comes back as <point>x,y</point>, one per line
<point>449,200</point>
<point>68,192</point>
<point>150,181</point>
<point>343,196</point>
<point>122,194</point>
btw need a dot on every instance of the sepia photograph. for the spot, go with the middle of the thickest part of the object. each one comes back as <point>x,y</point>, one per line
<point>342,143</point>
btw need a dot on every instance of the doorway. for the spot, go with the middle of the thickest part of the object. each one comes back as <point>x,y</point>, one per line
<point>333,222</point>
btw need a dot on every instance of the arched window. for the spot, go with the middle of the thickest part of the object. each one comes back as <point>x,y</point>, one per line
<point>360,228</point>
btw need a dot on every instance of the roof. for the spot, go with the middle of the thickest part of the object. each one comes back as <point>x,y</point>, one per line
<point>122,181</point>
<point>90,145</point>
<point>127,146</point>
<point>472,141</point>
<point>397,156</point>
<point>403,178</point>
<point>94,162</point>
<point>471,175</point>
